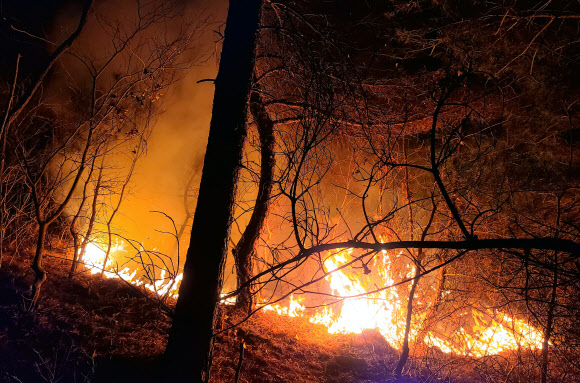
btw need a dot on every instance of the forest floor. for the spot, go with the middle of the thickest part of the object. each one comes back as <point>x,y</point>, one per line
<point>92,329</point>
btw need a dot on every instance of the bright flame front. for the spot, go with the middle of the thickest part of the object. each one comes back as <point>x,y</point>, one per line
<point>94,259</point>
<point>385,310</point>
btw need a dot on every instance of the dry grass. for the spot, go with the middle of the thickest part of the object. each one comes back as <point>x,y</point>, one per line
<point>294,350</point>
<point>76,324</point>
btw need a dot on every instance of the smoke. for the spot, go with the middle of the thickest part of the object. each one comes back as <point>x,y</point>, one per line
<point>160,198</point>
<point>167,174</point>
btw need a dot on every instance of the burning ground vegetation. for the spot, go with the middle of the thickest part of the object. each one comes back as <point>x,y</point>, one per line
<point>96,329</point>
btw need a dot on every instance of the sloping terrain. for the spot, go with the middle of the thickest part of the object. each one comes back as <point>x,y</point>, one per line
<point>92,329</point>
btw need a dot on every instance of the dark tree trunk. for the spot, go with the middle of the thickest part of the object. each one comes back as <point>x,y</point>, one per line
<point>405,351</point>
<point>550,323</point>
<point>78,255</point>
<point>39,272</point>
<point>189,344</point>
<point>246,246</point>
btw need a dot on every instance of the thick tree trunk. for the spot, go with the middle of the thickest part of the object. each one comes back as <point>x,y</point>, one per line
<point>188,349</point>
<point>246,246</point>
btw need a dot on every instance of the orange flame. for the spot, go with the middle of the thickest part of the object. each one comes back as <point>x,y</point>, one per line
<point>385,311</point>
<point>94,259</point>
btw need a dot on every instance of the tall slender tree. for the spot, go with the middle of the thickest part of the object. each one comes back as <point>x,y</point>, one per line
<point>245,248</point>
<point>188,350</point>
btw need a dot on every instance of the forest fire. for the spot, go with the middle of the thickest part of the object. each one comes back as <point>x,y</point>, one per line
<point>357,310</point>
<point>385,311</point>
<point>284,153</point>
<point>161,285</point>
<point>489,336</point>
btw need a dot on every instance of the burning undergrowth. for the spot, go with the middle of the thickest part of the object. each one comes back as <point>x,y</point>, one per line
<point>376,299</point>
<point>349,301</point>
<point>100,329</point>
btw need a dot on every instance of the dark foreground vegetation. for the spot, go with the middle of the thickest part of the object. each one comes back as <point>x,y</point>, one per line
<point>92,329</point>
<point>100,330</point>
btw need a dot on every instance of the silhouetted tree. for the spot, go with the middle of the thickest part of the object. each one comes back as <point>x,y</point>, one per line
<point>188,351</point>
